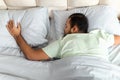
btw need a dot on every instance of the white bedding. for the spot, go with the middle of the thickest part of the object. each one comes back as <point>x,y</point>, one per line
<point>13,66</point>
<point>71,68</point>
<point>114,55</point>
<point>10,77</point>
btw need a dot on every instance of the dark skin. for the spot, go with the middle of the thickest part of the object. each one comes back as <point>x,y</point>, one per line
<point>39,54</point>
<point>119,18</point>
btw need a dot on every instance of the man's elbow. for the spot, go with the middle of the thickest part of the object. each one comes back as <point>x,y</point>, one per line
<point>37,55</point>
<point>31,58</point>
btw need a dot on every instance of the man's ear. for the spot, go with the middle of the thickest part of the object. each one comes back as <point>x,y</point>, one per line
<point>75,29</point>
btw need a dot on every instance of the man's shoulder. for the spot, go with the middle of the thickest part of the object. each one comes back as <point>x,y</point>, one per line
<point>97,31</point>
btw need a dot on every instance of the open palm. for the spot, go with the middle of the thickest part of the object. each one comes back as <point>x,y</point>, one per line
<point>14,30</point>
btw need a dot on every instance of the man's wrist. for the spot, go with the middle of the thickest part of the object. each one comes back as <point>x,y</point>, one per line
<point>17,37</point>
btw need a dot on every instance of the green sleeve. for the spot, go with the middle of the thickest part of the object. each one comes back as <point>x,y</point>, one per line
<point>52,50</point>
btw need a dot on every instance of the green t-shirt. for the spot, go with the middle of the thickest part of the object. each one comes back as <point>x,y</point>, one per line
<point>95,43</point>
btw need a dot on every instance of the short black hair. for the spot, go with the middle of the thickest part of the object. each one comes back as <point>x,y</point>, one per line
<point>79,20</point>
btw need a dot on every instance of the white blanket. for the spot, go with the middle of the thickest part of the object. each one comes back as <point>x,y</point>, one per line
<point>71,68</point>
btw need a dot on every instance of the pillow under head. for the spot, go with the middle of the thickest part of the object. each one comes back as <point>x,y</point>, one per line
<point>99,17</point>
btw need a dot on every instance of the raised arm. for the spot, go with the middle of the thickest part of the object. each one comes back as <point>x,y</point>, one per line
<point>30,53</point>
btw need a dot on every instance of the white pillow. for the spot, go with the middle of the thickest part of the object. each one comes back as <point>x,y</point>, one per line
<point>34,23</point>
<point>99,17</point>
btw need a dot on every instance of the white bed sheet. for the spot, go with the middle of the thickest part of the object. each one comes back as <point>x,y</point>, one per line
<point>10,77</point>
<point>71,68</point>
<point>114,54</point>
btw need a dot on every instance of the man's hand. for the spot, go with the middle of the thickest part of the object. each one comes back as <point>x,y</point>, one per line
<point>15,31</point>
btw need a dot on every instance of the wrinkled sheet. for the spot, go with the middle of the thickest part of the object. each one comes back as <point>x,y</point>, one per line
<point>114,54</point>
<point>71,68</point>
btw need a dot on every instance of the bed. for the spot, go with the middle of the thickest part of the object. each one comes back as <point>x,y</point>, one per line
<point>42,23</point>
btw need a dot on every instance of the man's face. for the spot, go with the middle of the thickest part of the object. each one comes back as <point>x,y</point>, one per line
<point>67,29</point>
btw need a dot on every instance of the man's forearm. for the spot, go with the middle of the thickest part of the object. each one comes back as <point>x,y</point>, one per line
<point>30,53</point>
<point>27,50</point>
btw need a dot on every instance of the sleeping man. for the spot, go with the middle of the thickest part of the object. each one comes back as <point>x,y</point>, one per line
<point>75,42</point>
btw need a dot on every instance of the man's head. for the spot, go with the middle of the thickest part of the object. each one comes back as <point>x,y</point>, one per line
<point>76,23</point>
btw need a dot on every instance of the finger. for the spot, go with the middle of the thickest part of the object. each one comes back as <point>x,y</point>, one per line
<point>8,28</point>
<point>18,26</point>
<point>12,23</point>
<point>9,21</point>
